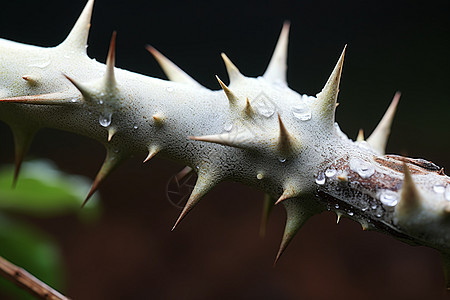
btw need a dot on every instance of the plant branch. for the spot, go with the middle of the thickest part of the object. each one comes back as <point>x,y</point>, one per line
<point>28,282</point>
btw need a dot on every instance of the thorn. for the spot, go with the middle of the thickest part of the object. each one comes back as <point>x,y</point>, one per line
<point>111,132</point>
<point>80,87</point>
<point>22,141</point>
<point>112,160</point>
<point>364,225</point>
<point>284,139</point>
<point>268,205</point>
<point>183,173</point>
<point>276,71</point>
<point>249,109</point>
<point>43,99</point>
<point>152,151</point>
<point>159,118</point>
<point>172,71</point>
<point>296,217</point>
<point>231,97</point>
<point>242,141</point>
<point>328,96</point>
<point>379,137</point>
<point>410,198</point>
<point>110,79</point>
<point>286,195</point>
<point>203,185</point>
<point>338,217</point>
<point>289,191</point>
<point>31,79</point>
<point>78,36</point>
<point>233,72</point>
<point>360,136</point>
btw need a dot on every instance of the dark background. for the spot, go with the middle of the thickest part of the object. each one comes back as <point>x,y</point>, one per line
<point>216,252</point>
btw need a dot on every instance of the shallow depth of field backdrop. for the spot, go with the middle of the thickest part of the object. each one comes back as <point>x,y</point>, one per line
<point>216,252</point>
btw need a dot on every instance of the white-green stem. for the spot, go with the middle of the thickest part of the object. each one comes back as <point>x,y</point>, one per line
<point>256,130</point>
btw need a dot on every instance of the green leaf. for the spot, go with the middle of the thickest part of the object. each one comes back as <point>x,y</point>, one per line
<point>29,248</point>
<point>45,191</point>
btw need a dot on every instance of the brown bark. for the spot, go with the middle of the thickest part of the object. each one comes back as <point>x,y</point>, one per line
<point>25,280</point>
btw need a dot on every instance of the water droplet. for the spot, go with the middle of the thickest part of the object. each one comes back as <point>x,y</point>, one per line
<point>363,168</point>
<point>350,213</point>
<point>388,197</point>
<point>447,193</point>
<point>374,206</point>
<point>135,127</point>
<point>282,159</point>
<point>330,172</point>
<point>320,179</point>
<point>169,89</point>
<point>105,119</point>
<point>364,208</point>
<point>439,188</point>
<point>74,100</point>
<point>336,206</point>
<point>379,212</point>
<point>259,176</point>
<point>100,102</point>
<point>302,111</point>
<point>264,106</point>
<point>228,127</point>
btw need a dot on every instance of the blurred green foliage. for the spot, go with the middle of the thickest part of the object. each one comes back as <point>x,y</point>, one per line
<point>43,191</point>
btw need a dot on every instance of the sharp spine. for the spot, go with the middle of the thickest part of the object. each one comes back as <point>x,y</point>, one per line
<point>23,137</point>
<point>172,71</point>
<point>276,70</point>
<point>158,118</point>
<point>285,141</point>
<point>31,79</point>
<point>203,185</point>
<point>328,96</point>
<point>111,132</point>
<point>249,111</point>
<point>112,160</point>
<point>233,72</point>
<point>110,79</point>
<point>78,36</point>
<point>296,217</point>
<point>379,137</point>
<point>289,191</point>
<point>43,99</point>
<point>152,151</point>
<point>360,137</point>
<point>84,90</point>
<point>242,141</point>
<point>232,98</point>
<point>338,217</point>
<point>410,199</point>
